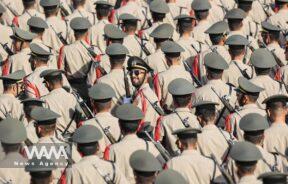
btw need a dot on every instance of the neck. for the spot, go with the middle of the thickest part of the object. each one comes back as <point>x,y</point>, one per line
<point>280,120</point>
<point>113,67</point>
<point>104,110</point>
<point>238,58</point>
<point>41,65</point>
<point>10,92</point>
<point>186,35</point>
<point>83,38</point>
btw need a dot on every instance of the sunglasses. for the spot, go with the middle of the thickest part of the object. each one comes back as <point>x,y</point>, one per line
<point>136,72</point>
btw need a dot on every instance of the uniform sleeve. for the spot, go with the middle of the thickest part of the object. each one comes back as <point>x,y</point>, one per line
<point>119,177</point>
<point>73,176</point>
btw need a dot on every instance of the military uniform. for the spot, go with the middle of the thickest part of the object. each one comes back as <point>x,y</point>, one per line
<point>14,8</point>
<point>281,17</point>
<point>81,12</point>
<point>216,13</point>
<point>170,176</point>
<point>22,20</point>
<point>97,34</point>
<point>7,32</point>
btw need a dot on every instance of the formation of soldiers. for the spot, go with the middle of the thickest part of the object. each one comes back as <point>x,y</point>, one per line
<point>144,91</point>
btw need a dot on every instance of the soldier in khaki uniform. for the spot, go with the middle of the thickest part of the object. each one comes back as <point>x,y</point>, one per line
<point>182,116</point>
<point>157,59</point>
<point>9,103</point>
<point>237,67</point>
<point>176,70</point>
<point>10,172</point>
<point>176,9</point>
<point>20,61</point>
<point>281,17</point>
<point>191,164</point>
<point>217,11</point>
<point>245,156</point>
<point>247,95</point>
<point>170,176</point>
<point>129,119</point>
<point>13,8</point>
<point>91,168</point>
<point>276,136</point>
<point>212,139</point>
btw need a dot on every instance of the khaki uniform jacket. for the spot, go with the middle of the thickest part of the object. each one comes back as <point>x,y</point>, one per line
<point>64,103</point>
<point>257,13</point>
<point>121,152</point>
<point>6,32</point>
<point>97,35</point>
<point>20,61</point>
<point>157,61</point>
<point>284,74</point>
<point>232,74</point>
<point>280,19</point>
<point>31,132</point>
<point>11,171</point>
<point>199,30</point>
<point>174,72</point>
<point>235,119</point>
<point>23,19</point>
<point>194,167</point>
<point>279,52</point>
<point>216,13</point>
<point>80,12</point>
<point>10,105</point>
<point>250,27</point>
<point>176,10</point>
<point>221,50</point>
<point>251,179</point>
<point>172,122</point>
<point>227,4</point>
<point>91,169</point>
<point>211,140</point>
<point>13,8</point>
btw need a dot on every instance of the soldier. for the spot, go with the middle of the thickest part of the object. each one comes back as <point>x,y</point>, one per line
<point>29,11</point>
<point>218,35</point>
<point>273,177</point>
<point>201,9</point>
<point>37,26</point>
<point>191,164</point>
<point>13,87</point>
<point>7,32</point>
<point>247,95</point>
<point>91,168</point>
<point>263,61</point>
<point>136,46</point>
<point>281,17</point>
<point>21,42</point>
<point>11,170</point>
<point>169,176</point>
<point>172,52</point>
<point>103,9</point>
<point>144,96</point>
<point>212,139</point>
<point>129,119</point>
<point>238,66</point>
<point>182,116</point>
<point>245,155</point>
<point>117,54</point>
<point>254,125</point>
<point>41,170</point>
<point>13,8</point>
<point>176,9</point>
<point>276,136</point>
<point>101,96</point>
<point>59,100</point>
<point>157,59</point>
<point>145,167</point>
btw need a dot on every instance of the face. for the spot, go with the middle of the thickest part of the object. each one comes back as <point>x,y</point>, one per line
<point>265,37</point>
<point>17,45</point>
<point>18,88</point>
<point>137,77</point>
<point>240,97</point>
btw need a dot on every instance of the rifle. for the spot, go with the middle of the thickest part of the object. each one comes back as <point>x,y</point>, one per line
<point>128,97</point>
<point>243,72</point>
<point>195,79</point>
<point>69,124</point>
<point>265,9</point>
<point>212,49</point>
<point>230,144</point>
<point>278,61</point>
<point>89,115</point>
<point>117,4</point>
<point>155,106</point>
<point>143,47</point>
<point>7,49</point>
<point>64,12</point>
<point>225,174</point>
<point>60,36</point>
<point>224,101</point>
<point>165,154</point>
<point>281,154</point>
<point>149,22</point>
<point>184,121</point>
<point>106,177</point>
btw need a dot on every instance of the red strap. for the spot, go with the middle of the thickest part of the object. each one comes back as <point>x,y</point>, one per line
<point>196,71</point>
<point>165,167</point>
<point>98,71</point>
<point>228,126</point>
<point>111,16</point>
<point>157,131</point>
<point>157,86</point>
<point>144,108</point>
<point>6,67</point>
<point>62,179</point>
<point>140,33</point>
<point>80,124</point>
<point>124,2</point>
<point>59,62</point>
<point>28,84</point>
<point>107,153</point>
<point>278,75</point>
<point>15,21</point>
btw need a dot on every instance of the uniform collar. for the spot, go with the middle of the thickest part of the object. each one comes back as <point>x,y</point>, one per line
<point>41,68</point>
<point>173,67</point>
<point>209,127</point>
<point>250,106</point>
<point>130,137</point>
<point>26,50</point>
<point>58,90</point>
<point>90,157</point>
<point>214,81</point>
<point>99,114</point>
<point>248,178</point>
<point>182,109</point>
<point>278,124</point>
<point>190,152</point>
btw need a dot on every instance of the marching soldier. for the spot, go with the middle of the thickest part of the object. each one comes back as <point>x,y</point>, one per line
<point>254,125</point>
<point>247,95</point>
<point>191,164</point>
<point>145,166</point>
<point>237,67</point>
<point>170,176</point>
<point>182,116</point>
<point>281,17</point>
<point>9,103</point>
<point>37,26</point>
<point>13,8</point>
<point>91,168</point>
<point>11,170</point>
<point>129,119</point>
<point>273,177</point>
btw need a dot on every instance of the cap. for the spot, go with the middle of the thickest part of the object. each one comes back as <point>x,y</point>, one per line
<point>116,49</point>
<point>127,16</point>
<point>204,103</point>
<point>163,31</point>
<point>237,40</point>
<point>22,35</point>
<point>37,22</point>
<point>262,58</point>
<point>144,161</point>
<point>32,102</point>
<point>171,47</point>
<point>135,62</point>
<point>235,14</point>
<point>159,6</point>
<point>180,86</point>
<point>129,112</point>
<point>2,9</point>
<point>13,77</point>
<point>87,134</point>
<point>253,122</point>
<point>39,52</point>
<point>245,152</point>
<point>101,91</point>
<point>267,26</point>
<point>113,32</point>
<point>276,98</point>
<point>215,61</point>
<point>273,177</point>
<point>38,167</point>
<point>49,3</point>
<point>187,133</point>
<point>200,5</point>
<point>102,4</point>
<point>12,131</point>
<point>220,27</point>
<point>170,176</point>
<point>184,18</point>
<point>80,23</point>
<point>44,116</point>
<point>51,73</point>
<point>247,87</point>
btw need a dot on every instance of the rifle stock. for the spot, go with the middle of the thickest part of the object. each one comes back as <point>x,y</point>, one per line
<point>195,79</point>
<point>128,97</point>
<point>7,49</point>
<point>225,174</point>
